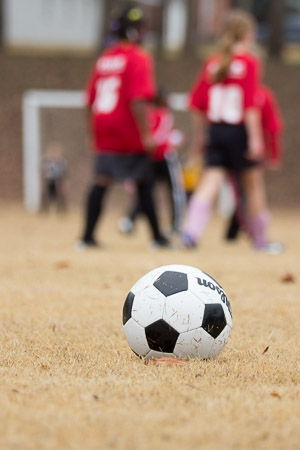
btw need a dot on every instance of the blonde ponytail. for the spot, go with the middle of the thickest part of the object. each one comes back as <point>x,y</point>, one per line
<point>238,24</point>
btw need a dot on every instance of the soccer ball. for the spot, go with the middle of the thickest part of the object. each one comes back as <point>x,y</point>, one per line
<point>179,311</point>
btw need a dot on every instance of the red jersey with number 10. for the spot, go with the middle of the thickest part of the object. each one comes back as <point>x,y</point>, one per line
<point>227,101</point>
<point>122,74</point>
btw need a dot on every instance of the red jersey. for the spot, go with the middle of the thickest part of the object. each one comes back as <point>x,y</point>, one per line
<point>272,123</point>
<point>161,125</point>
<point>121,75</point>
<point>227,101</point>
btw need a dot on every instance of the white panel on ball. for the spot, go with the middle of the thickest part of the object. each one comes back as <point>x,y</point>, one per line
<point>220,342</point>
<point>136,338</point>
<point>195,343</point>
<point>210,292</point>
<point>183,312</point>
<point>146,280</point>
<point>148,306</point>
<point>155,354</point>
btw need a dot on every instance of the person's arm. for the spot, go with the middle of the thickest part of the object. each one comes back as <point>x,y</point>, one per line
<point>139,111</point>
<point>198,134</point>
<point>255,134</point>
<point>198,105</point>
<point>253,119</point>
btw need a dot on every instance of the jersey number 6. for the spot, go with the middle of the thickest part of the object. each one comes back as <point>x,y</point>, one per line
<point>107,94</point>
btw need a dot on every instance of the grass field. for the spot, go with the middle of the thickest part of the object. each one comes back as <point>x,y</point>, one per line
<point>69,379</point>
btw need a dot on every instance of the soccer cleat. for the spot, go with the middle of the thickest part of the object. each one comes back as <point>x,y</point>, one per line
<point>86,244</point>
<point>161,242</point>
<point>233,229</point>
<point>188,242</point>
<point>271,248</point>
<point>125,225</point>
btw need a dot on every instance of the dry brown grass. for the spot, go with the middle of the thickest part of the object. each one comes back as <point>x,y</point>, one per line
<point>69,379</point>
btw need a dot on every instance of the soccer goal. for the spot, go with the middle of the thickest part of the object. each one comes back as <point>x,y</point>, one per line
<point>59,115</point>
<point>34,102</point>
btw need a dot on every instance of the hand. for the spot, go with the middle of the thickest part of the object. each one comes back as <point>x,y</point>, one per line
<point>255,150</point>
<point>148,143</point>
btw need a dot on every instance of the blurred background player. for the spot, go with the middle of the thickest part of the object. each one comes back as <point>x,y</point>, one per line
<point>272,125</point>
<point>166,165</point>
<point>119,87</point>
<point>54,169</point>
<point>224,94</point>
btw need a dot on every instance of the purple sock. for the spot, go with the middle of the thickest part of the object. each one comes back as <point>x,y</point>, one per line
<point>197,217</point>
<point>258,229</point>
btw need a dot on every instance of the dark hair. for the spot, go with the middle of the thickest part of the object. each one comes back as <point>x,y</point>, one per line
<point>127,23</point>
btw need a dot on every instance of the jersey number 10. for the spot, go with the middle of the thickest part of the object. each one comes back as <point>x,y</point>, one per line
<point>225,104</point>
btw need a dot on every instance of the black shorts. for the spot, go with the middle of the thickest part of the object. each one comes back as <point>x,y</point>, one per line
<point>137,167</point>
<point>227,147</point>
<point>161,171</point>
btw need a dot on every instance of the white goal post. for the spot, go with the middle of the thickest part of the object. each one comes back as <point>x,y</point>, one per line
<point>33,102</point>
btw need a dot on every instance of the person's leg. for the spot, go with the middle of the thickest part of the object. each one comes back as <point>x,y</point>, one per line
<point>126,223</point>
<point>199,207</point>
<point>258,214</point>
<point>61,196</point>
<point>237,221</point>
<point>52,192</point>
<point>145,195</point>
<point>94,208</point>
<point>135,210</point>
<point>233,227</point>
<point>45,197</point>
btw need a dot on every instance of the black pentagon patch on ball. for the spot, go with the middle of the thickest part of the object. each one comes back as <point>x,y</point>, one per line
<point>169,283</point>
<point>127,308</point>
<point>214,320</point>
<point>161,336</point>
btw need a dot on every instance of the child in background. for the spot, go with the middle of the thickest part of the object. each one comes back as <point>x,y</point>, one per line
<point>272,125</point>
<point>118,90</point>
<point>224,95</point>
<point>54,169</point>
<point>166,164</point>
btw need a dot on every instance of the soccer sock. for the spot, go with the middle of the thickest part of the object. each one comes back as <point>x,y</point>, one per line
<point>93,211</point>
<point>147,206</point>
<point>197,217</point>
<point>135,211</point>
<point>258,228</point>
<point>233,228</point>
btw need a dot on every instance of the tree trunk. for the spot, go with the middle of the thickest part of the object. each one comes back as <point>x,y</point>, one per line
<point>276,22</point>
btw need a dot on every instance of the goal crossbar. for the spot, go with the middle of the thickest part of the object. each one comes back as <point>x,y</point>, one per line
<point>33,102</point>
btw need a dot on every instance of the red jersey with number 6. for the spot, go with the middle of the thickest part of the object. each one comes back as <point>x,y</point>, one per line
<point>121,75</point>
<point>163,131</point>
<point>227,101</point>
